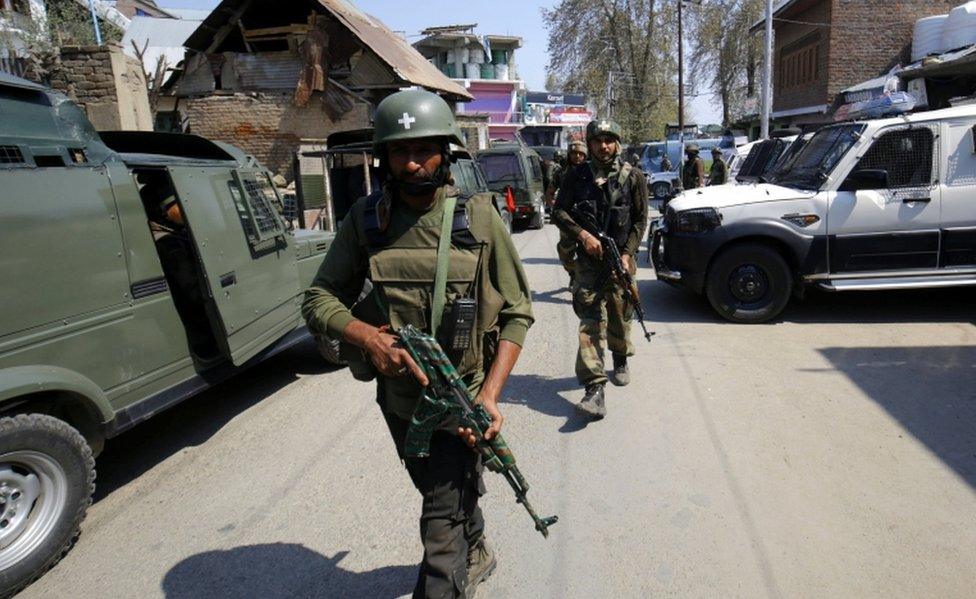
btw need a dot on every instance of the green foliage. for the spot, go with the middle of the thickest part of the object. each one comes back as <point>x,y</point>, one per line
<point>70,24</point>
<point>722,50</point>
<point>633,39</point>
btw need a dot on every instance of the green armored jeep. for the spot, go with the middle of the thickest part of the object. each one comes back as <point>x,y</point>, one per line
<point>514,166</point>
<point>138,269</point>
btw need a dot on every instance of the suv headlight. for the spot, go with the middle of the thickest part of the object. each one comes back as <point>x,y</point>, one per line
<point>697,220</point>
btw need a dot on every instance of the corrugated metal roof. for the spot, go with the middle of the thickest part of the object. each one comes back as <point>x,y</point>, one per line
<point>408,64</point>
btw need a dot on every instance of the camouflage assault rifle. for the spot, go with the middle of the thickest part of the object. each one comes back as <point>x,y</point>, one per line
<point>613,266</point>
<point>447,393</point>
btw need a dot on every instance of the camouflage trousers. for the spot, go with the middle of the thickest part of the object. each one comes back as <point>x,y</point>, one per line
<point>605,316</point>
<point>566,249</point>
<point>450,484</point>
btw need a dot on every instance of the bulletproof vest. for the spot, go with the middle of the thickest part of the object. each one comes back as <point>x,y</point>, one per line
<point>610,205</point>
<point>402,271</point>
<point>718,172</point>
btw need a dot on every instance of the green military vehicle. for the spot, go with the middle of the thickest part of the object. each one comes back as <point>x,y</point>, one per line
<point>514,166</point>
<point>138,269</point>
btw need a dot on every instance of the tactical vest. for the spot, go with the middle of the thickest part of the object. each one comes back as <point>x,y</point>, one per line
<point>610,205</point>
<point>689,177</point>
<point>402,272</point>
<point>719,173</point>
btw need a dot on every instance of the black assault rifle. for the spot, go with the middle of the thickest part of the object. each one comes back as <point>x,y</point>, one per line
<point>613,267</point>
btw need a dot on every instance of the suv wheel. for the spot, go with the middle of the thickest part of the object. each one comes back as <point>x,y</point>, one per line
<point>47,477</point>
<point>329,349</point>
<point>749,283</point>
<point>661,190</point>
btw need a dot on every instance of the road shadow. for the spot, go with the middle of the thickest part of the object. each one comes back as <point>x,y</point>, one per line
<point>667,303</point>
<point>280,571</point>
<point>929,390</point>
<point>543,394</point>
<point>562,295</point>
<point>197,419</point>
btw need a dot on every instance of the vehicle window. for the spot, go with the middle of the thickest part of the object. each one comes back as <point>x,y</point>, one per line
<point>536,167</point>
<point>500,168</point>
<point>479,177</point>
<point>820,156</point>
<point>906,155</point>
<point>258,207</point>
<point>460,176</point>
<point>471,176</point>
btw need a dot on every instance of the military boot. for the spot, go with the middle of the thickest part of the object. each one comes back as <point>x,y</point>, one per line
<point>593,404</point>
<point>621,376</point>
<point>481,563</point>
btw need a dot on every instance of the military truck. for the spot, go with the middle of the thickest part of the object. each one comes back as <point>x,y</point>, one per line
<point>516,167</point>
<point>113,309</point>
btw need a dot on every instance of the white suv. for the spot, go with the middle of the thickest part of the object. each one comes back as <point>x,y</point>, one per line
<point>886,204</point>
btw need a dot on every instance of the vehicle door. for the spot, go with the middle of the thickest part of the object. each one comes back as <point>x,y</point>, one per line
<point>892,227</point>
<point>958,190</point>
<point>247,257</point>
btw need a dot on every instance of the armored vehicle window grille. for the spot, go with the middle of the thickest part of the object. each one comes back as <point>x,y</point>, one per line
<point>261,221</point>
<point>907,156</point>
<point>11,155</point>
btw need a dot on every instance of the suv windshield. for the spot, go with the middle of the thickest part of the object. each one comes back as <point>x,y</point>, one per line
<point>500,169</point>
<point>818,157</point>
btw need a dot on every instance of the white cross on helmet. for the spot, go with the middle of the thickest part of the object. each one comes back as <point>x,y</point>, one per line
<point>407,120</point>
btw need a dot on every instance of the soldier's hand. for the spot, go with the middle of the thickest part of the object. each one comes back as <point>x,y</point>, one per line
<point>591,245</point>
<point>391,360</point>
<point>491,406</point>
<point>629,264</point>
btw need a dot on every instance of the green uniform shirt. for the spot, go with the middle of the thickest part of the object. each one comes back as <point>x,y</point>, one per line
<point>346,267</point>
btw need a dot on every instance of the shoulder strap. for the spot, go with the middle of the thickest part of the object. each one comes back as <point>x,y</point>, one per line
<point>443,255</point>
<point>372,231</point>
<point>624,173</point>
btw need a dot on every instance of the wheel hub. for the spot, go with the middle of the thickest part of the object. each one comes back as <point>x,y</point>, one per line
<point>748,283</point>
<point>33,495</point>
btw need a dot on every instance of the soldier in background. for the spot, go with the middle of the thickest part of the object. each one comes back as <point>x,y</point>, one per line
<point>611,194</point>
<point>566,248</point>
<point>693,173</point>
<point>719,174</point>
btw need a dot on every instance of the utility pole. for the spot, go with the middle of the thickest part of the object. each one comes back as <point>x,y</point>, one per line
<point>767,103</point>
<point>610,94</point>
<point>681,78</point>
<point>94,16</point>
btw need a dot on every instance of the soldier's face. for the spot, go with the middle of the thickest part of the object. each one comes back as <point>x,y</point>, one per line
<point>576,158</point>
<point>415,160</point>
<point>603,147</point>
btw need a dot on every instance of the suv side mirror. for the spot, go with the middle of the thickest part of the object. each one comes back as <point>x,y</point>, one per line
<point>867,178</point>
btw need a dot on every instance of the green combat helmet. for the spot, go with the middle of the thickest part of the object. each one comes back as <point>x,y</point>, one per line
<point>414,114</point>
<point>692,147</point>
<point>603,127</point>
<point>578,146</point>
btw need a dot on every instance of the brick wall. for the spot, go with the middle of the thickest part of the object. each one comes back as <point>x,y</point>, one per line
<point>109,86</point>
<point>266,124</point>
<point>875,35</point>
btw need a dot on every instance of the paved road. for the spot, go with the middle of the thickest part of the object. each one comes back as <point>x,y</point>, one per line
<point>830,454</point>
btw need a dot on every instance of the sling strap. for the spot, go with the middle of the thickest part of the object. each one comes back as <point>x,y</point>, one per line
<point>443,256</point>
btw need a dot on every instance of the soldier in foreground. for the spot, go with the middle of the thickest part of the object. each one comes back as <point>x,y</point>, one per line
<point>391,238</point>
<point>566,247</point>
<point>609,193</point>
<point>693,173</point>
<point>719,173</point>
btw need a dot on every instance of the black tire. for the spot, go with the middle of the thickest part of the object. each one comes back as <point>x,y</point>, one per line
<point>661,190</point>
<point>27,441</point>
<point>329,349</point>
<point>749,283</point>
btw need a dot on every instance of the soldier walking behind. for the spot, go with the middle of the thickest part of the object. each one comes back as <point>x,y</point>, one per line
<point>693,173</point>
<point>566,247</point>
<point>613,194</point>
<point>394,239</point>
<point>719,173</point>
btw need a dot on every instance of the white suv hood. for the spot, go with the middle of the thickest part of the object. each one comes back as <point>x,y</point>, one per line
<point>726,196</point>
